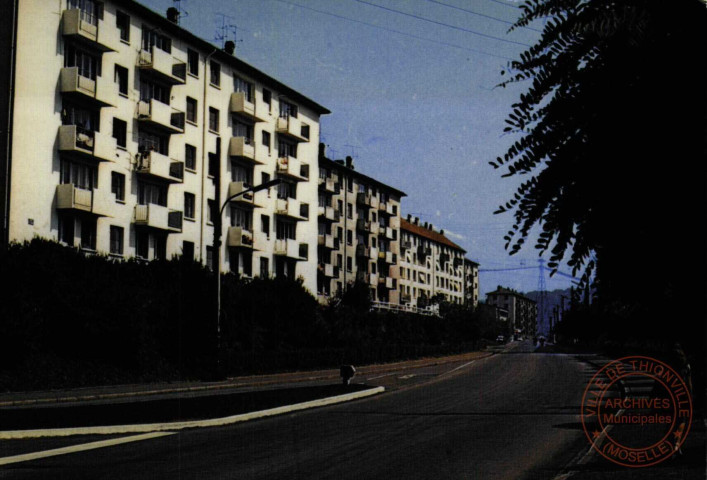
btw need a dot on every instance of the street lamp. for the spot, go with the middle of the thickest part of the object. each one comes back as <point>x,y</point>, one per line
<point>217,257</point>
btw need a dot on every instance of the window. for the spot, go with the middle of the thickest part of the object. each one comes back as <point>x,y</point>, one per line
<point>88,64</point>
<point>241,85</point>
<point>91,11</point>
<point>122,21</point>
<point>213,164</point>
<point>120,132</point>
<point>215,78</point>
<point>191,109</point>
<point>210,213</point>
<point>151,90</point>
<point>193,62</point>
<point>66,229</point>
<point>349,237</point>
<point>265,178</point>
<point>305,131</point>
<point>349,210</point>
<point>241,173</point>
<point>340,206</point>
<point>150,38</point>
<point>265,224</point>
<point>88,233</point>
<point>142,243</point>
<point>190,157</point>
<point>188,250</point>
<point>117,186</point>
<point>244,130</point>
<point>286,149</point>
<point>79,174</point>
<point>287,190</point>
<point>213,119</point>
<point>189,205</point>
<point>151,193</point>
<point>285,230</point>
<point>241,218</point>
<point>210,257</point>
<point>116,240</point>
<point>267,96</point>
<point>121,78</point>
<point>287,109</point>
<point>148,141</point>
<point>266,140</point>
<point>349,264</point>
<point>264,268</point>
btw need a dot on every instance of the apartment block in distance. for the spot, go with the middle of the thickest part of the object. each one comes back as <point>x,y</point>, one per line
<point>430,265</point>
<point>125,133</point>
<point>471,283</point>
<point>522,312</point>
<point>359,231</point>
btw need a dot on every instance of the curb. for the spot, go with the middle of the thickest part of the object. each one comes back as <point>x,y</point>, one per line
<point>171,426</point>
<point>226,386</point>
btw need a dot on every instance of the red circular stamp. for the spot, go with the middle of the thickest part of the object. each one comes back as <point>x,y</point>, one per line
<point>636,411</point>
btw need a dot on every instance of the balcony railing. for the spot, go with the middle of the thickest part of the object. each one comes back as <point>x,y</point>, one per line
<point>160,166</point>
<point>291,208</point>
<point>161,116</point>
<point>98,92</point>
<point>234,188</point>
<point>239,237</point>
<point>163,65</point>
<point>87,143</point>
<point>327,270</point>
<point>327,184</point>
<point>291,127</point>
<point>244,108</point>
<point>89,30</point>
<point>71,197</point>
<point>329,213</point>
<point>326,241</point>
<point>243,148</point>
<point>363,251</point>
<point>158,217</point>
<point>293,168</point>
<point>292,249</point>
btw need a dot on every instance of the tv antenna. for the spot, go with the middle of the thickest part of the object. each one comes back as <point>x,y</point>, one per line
<point>227,31</point>
<point>182,13</point>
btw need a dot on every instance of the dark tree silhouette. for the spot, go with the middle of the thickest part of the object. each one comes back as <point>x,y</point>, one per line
<point>611,137</point>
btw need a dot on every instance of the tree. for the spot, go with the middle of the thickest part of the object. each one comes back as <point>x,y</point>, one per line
<point>611,137</point>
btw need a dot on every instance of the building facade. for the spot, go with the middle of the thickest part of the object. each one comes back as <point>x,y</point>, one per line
<point>431,265</point>
<point>359,231</point>
<point>471,282</point>
<point>522,311</point>
<point>126,133</point>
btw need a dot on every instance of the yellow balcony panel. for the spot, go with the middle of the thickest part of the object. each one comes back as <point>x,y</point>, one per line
<point>87,144</point>
<point>71,197</point>
<point>242,107</point>
<point>326,241</point>
<point>290,248</point>
<point>160,116</point>
<point>89,30</point>
<point>293,168</point>
<point>239,237</point>
<point>292,208</point>
<point>291,128</point>
<point>244,148</point>
<point>162,65</point>
<point>98,92</point>
<point>329,213</point>
<point>160,166</point>
<point>158,217</point>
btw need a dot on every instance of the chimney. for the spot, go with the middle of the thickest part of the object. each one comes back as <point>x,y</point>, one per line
<point>441,232</point>
<point>349,162</point>
<point>173,15</point>
<point>322,150</point>
<point>417,220</point>
<point>425,225</point>
<point>229,47</point>
<point>409,218</point>
<point>431,228</point>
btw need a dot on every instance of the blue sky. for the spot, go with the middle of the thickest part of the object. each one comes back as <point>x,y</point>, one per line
<point>417,109</point>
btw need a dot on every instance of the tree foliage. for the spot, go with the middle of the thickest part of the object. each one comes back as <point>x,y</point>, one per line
<point>610,137</point>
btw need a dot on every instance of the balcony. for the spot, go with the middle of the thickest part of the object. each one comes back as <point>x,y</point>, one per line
<point>290,248</point>
<point>363,251</point>
<point>373,253</point>
<point>386,208</point>
<point>158,217</point>
<point>246,199</point>
<point>87,144</point>
<point>387,232</point>
<point>89,30</point>
<point>327,270</point>
<point>373,279</point>
<point>405,245</point>
<point>160,116</point>
<point>327,185</point>
<point>423,252</point>
<point>293,168</point>
<point>405,298</point>
<point>291,127</point>
<point>367,200</point>
<point>388,257</point>
<point>443,258</point>
<point>326,241</point>
<point>243,148</point>
<point>329,213</point>
<point>362,225</point>
<point>292,208</point>
<point>162,65</point>
<point>243,108</point>
<point>161,167</point>
<point>387,282</point>
<point>98,93</point>
<point>238,237</point>
<point>71,197</point>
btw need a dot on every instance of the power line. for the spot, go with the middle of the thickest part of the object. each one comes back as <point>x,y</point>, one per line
<point>504,4</point>
<point>481,14</point>
<point>441,23</point>
<point>396,31</point>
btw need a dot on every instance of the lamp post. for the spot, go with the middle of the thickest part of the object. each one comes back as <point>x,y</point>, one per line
<point>217,258</point>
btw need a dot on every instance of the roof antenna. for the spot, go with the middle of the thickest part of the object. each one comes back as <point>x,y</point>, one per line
<point>226,31</point>
<point>182,13</point>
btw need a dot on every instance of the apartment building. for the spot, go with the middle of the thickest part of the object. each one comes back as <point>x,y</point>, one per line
<point>471,283</point>
<point>359,231</point>
<point>126,133</point>
<point>431,265</point>
<point>522,312</point>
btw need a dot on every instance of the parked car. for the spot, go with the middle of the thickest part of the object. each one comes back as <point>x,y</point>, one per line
<point>500,339</point>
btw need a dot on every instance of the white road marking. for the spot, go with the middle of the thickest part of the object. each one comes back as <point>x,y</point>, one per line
<point>381,376</point>
<point>80,448</point>
<point>460,366</point>
<point>405,377</point>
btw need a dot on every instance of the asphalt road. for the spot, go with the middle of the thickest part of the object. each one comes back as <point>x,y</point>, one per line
<point>509,416</point>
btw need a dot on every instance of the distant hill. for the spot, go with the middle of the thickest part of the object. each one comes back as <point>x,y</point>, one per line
<point>552,299</point>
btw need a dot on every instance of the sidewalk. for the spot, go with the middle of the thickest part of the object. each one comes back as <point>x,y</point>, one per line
<point>235,384</point>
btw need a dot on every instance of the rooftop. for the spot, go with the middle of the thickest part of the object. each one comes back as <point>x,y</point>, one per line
<point>427,231</point>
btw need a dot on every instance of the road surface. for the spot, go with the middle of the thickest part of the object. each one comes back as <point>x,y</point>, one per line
<point>512,415</point>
